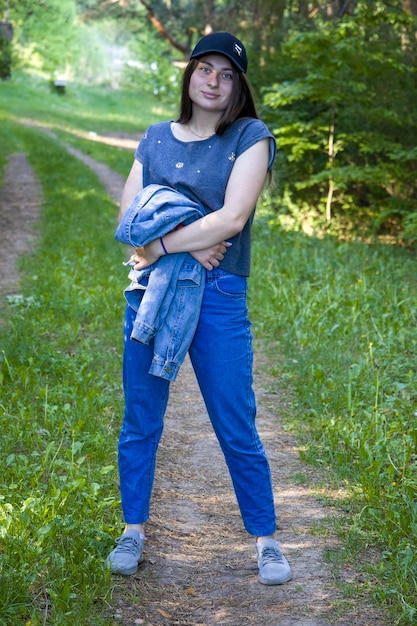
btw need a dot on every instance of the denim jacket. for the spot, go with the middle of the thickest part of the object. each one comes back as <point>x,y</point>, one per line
<point>167,295</point>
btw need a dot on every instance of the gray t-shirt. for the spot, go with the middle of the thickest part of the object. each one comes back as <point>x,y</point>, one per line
<point>200,170</point>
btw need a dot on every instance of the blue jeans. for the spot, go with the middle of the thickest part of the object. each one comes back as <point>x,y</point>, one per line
<point>221,355</point>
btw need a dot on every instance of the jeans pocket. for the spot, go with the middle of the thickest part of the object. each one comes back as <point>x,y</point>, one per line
<point>232,285</point>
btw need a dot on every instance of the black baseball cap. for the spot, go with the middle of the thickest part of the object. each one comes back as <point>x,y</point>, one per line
<point>223,43</point>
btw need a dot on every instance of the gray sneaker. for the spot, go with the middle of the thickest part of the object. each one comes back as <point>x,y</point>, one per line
<point>273,566</point>
<point>126,556</point>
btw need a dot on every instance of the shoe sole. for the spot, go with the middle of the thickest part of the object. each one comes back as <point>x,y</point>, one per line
<point>125,573</point>
<point>128,572</point>
<point>274,581</point>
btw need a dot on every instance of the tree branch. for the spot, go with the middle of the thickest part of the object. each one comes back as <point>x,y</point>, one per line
<point>162,30</point>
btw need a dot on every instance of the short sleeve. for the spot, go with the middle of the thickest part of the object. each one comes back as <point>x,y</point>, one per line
<point>252,131</point>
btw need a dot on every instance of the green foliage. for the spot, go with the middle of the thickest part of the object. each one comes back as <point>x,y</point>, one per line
<point>61,403</point>
<point>60,360</point>
<point>339,319</point>
<point>154,72</point>
<point>82,112</point>
<point>347,140</point>
<point>45,33</point>
<point>103,46</point>
<point>5,57</point>
<point>339,91</point>
<point>344,317</point>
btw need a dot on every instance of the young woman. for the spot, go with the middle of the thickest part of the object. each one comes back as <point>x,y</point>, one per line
<point>217,154</point>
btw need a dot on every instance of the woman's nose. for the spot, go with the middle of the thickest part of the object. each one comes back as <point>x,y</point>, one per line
<point>213,78</point>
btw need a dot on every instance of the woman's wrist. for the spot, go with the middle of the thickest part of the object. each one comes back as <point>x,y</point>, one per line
<point>153,251</point>
<point>164,250</point>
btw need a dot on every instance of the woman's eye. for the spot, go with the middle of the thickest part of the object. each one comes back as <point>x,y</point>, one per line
<point>227,76</point>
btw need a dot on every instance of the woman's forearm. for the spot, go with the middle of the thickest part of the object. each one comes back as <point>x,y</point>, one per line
<point>242,192</point>
<point>203,233</point>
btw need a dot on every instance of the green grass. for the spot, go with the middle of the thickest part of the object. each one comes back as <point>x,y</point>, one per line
<point>338,320</point>
<point>60,362</point>
<point>93,109</point>
<point>61,402</point>
<point>344,317</point>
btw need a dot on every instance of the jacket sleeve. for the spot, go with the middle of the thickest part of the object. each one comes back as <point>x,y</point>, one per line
<point>154,212</point>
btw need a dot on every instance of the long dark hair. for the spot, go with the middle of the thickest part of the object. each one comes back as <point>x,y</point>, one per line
<point>241,104</point>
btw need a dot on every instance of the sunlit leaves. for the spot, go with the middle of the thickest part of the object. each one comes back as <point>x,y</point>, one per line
<point>346,89</point>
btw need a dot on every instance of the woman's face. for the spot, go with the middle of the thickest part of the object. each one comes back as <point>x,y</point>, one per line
<point>211,83</point>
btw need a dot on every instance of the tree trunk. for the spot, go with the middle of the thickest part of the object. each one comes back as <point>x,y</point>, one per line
<point>410,6</point>
<point>331,160</point>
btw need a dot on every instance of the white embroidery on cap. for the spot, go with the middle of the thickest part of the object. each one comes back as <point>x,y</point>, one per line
<point>237,49</point>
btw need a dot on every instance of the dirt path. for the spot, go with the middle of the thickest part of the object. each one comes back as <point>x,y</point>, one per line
<point>20,200</point>
<point>200,567</point>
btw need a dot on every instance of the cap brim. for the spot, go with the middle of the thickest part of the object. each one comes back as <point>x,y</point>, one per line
<point>224,54</point>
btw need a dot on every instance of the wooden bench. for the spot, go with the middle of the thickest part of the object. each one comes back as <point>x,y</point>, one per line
<point>59,86</point>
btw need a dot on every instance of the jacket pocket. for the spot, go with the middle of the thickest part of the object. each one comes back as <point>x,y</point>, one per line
<point>191,275</point>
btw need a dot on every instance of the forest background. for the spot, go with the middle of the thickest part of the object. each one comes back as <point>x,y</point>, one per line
<point>336,79</point>
<point>336,83</point>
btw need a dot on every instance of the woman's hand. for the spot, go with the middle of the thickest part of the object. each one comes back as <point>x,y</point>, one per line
<point>211,257</point>
<point>146,255</point>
